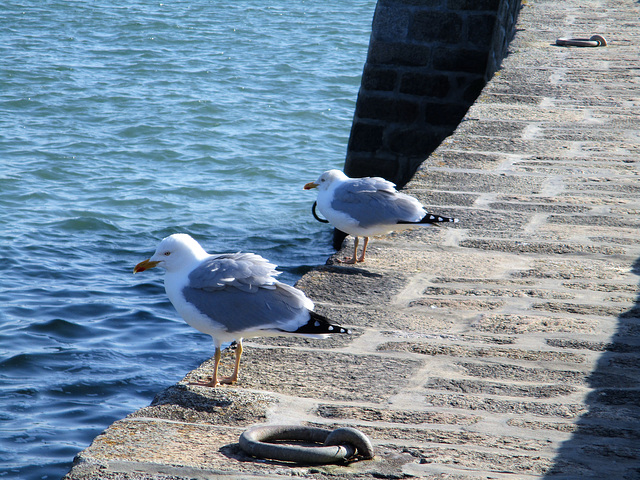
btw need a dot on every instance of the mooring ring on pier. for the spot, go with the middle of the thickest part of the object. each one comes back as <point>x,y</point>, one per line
<point>593,41</point>
<point>315,215</point>
<point>341,444</point>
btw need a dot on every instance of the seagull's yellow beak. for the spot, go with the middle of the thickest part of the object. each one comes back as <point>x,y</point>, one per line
<point>144,265</point>
<point>310,185</point>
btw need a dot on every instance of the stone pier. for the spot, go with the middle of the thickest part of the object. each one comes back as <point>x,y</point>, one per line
<point>504,347</point>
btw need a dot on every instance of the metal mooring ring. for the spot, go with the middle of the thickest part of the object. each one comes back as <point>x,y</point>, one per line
<point>315,215</point>
<point>339,445</point>
<point>593,41</point>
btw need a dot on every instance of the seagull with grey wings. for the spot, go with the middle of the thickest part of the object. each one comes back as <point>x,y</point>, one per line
<point>369,206</point>
<point>233,296</point>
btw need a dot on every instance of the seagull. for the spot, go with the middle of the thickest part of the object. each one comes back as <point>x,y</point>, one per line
<point>364,207</point>
<point>233,296</point>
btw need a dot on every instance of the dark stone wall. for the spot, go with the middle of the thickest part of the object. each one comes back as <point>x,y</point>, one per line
<point>428,61</point>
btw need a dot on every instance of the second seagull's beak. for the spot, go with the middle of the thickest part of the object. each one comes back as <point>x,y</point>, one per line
<point>144,265</point>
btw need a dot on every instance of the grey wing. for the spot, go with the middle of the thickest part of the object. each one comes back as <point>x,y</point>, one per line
<point>281,308</point>
<point>374,201</point>
<point>245,271</point>
<point>239,291</point>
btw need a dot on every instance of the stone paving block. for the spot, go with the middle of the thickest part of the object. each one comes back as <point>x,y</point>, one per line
<point>481,182</point>
<point>482,403</point>
<point>520,324</point>
<point>152,441</point>
<point>434,201</point>
<point>482,461</point>
<point>332,342</point>
<point>418,259</point>
<point>193,404</point>
<point>518,291</point>
<point>447,437</point>
<point>538,207</point>
<point>320,374</point>
<point>452,159</point>
<point>595,220</point>
<point>416,319</point>
<point>485,305</point>
<point>519,246</point>
<point>516,372</point>
<point>488,221</point>
<point>572,269</point>
<point>351,284</point>
<point>465,351</point>
<point>386,415</point>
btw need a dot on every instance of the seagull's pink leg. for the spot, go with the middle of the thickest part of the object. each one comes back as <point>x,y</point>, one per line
<point>364,249</point>
<point>234,378</point>
<point>355,254</point>
<point>214,380</point>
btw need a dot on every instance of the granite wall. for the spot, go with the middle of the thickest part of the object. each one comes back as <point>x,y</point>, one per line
<point>428,61</point>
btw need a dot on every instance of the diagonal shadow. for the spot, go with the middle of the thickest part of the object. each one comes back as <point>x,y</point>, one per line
<point>348,270</point>
<point>606,440</point>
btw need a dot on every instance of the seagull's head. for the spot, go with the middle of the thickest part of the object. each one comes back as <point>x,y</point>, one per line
<point>174,253</point>
<point>326,180</point>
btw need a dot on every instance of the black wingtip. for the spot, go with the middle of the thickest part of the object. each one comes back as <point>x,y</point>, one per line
<point>321,325</point>
<point>431,219</point>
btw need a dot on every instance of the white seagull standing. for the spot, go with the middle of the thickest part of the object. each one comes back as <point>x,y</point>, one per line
<point>367,207</point>
<point>233,296</point>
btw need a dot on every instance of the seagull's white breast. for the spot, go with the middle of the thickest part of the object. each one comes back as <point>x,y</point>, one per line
<point>341,220</point>
<point>174,283</point>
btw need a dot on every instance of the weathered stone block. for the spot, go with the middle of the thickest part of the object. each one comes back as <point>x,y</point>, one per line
<point>499,388</point>
<point>387,109</point>
<point>418,3</point>
<point>444,113</point>
<point>399,54</point>
<point>391,23</point>
<point>325,375</point>
<point>373,414</point>
<point>364,164</point>
<point>192,404</point>
<point>425,84</point>
<point>366,137</point>
<point>480,30</point>
<point>436,26</point>
<point>472,89</point>
<point>453,59</point>
<point>473,4</point>
<point>414,140</point>
<point>381,79</point>
<point>360,284</point>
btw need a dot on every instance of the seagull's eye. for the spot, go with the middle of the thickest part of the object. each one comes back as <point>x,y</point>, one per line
<point>166,254</point>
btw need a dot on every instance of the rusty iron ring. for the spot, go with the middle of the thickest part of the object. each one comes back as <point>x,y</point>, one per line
<point>593,41</point>
<point>341,444</point>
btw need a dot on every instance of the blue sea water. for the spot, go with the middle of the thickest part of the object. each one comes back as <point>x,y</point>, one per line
<point>121,123</point>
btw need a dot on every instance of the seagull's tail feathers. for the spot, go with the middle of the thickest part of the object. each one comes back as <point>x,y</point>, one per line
<point>430,219</point>
<point>320,326</point>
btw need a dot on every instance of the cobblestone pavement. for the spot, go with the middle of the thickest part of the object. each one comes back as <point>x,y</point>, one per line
<point>505,347</point>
